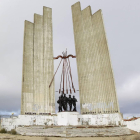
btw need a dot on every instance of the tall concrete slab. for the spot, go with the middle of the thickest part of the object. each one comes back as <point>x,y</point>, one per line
<point>38,66</point>
<point>27,75</point>
<point>48,60</point>
<point>95,76</point>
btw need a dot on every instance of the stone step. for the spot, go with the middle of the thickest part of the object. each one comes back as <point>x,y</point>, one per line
<point>73,131</point>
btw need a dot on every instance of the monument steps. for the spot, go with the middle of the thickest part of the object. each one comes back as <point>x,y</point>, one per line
<point>73,131</point>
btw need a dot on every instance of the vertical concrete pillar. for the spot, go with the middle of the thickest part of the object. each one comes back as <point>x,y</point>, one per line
<point>78,36</point>
<point>27,74</point>
<point>48,60</point>
<point>38,64</point>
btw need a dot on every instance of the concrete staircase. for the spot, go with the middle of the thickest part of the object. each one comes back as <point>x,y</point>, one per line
<point>73,131</point>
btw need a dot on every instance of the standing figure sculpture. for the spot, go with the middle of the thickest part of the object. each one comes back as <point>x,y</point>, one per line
<point>70,102</point>
<point>64,102</point>
<point>74,100</point>
<point>60,104</point>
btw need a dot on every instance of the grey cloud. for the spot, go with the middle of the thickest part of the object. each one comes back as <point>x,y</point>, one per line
<point>9,103</point>
<point>130,108</point>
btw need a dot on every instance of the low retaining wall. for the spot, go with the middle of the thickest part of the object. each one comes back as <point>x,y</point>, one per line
<point>134,125</point>
<point>27,120</point>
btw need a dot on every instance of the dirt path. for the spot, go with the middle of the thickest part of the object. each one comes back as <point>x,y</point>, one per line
<point>19,137</point>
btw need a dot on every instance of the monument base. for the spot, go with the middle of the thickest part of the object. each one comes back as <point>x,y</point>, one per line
<point>63,119</point>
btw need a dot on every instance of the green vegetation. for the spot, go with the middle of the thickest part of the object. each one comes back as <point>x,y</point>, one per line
<point>3,130</point>
<point>13,131</point>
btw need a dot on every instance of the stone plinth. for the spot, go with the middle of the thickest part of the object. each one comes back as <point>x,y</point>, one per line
<point>67,118</point>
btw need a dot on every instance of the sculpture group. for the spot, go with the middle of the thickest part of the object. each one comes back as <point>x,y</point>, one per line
<point>66,102</point>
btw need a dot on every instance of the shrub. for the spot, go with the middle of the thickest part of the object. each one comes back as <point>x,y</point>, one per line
<point>13,131</point>
<point>3,130</point>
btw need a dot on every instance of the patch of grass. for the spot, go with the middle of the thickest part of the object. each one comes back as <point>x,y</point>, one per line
<point>3,130</point>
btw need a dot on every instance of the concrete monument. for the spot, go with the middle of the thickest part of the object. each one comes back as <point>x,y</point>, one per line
<point>99,104</point>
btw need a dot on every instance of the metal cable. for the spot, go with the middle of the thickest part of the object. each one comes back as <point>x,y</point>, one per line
<point>71,76</point>
<point>55,73</point>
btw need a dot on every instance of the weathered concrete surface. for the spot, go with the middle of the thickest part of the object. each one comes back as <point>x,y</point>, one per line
<point>67,118</point>
<point>38,93</point>
<point>48,60</point>
<point>63,119</point>
<point>73,131</point>
<point>28,70</point>
<point>95,76</point>
<point>38,66</point>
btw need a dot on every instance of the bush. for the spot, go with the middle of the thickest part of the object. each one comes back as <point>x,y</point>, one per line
<point>13,131</point>
<point>3,130</point>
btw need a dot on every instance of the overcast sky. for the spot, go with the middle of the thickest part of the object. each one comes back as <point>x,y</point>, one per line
<point>122,25</point>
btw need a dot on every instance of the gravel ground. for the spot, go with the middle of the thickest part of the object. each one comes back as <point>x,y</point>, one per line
<point>19,137</point>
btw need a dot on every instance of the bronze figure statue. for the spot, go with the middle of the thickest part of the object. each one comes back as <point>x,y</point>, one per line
<point>64,102</point>
<point>60,104</point>
<point>74,100</point>
<point>70,102</point>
